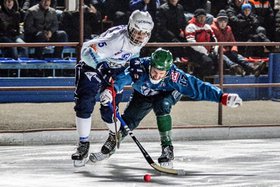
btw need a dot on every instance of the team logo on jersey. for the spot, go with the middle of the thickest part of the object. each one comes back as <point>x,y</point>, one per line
<point>93,46</point>
<point>175,76</point>
<point>183,80</point>
<point>148,91</point>
<point>90,75</point>
<point>126,56</point>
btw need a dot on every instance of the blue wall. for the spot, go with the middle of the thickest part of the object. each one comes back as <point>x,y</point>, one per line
<point>68,96</point>
<point>40,96</point>
<point>36,96</point>
<point>247,94</point>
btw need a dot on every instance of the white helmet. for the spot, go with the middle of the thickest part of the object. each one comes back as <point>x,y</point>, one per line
<point>140,26</point>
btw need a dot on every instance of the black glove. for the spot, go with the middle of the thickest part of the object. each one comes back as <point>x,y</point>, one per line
<point>136,69</point>
<point>105,72</point>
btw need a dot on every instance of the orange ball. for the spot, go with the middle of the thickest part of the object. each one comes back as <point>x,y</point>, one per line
<point>147,177</point>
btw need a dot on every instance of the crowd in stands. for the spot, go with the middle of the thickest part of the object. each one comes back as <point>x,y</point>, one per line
<point>175,21</point>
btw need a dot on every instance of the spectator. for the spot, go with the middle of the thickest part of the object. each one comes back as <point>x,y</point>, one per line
<point>30,3</point>
<point>98,5</point>
<point>170,24</point>
<point>198,31</point>
<point>70,21</point>
<point>9,28</point>
<point>41,25</point>
<point>233,60</point>
<point>191,5</point>
<point>265,15</point>
<point>217,5</point>
<point>249,30</point>
<point>145,5</point>
<point>277,23</point>
<point>115,10</point>
<point>233,9</point>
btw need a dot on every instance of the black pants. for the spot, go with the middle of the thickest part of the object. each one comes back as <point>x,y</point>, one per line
<point>89,83</point>
<point>139,106</point>
<point>204,65</point>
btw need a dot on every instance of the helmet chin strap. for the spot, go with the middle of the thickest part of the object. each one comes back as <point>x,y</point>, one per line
<point>154,81</point>
<point>151,79</point>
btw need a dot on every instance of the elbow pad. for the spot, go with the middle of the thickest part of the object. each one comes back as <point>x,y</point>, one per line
<point>90,57</point>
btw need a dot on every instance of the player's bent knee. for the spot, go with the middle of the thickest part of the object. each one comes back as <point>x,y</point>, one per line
<point>162,108</point>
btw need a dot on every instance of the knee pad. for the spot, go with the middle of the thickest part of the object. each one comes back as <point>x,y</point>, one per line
<point>163,107</point>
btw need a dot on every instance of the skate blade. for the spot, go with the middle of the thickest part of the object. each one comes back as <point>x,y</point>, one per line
<point>79,163</point>
<point>168,165</point>
<point>97,157</point>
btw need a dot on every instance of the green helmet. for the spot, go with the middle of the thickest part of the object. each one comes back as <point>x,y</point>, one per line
<point>162,59</point>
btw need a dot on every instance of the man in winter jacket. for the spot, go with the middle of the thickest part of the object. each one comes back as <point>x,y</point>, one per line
<point>9,28</point>
<point>233,60</point>
<point>203,57</point>
<point>41,25</point>
<point>249,30</point>
<point>171,23</point>
<point>265,13</point>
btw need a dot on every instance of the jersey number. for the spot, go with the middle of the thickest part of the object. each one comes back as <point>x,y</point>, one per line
<point>102,44</point>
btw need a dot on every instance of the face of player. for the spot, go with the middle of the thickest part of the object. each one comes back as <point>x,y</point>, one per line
<point>247,12</point>
<point>139,37</point>
<point>157,75</point>
<point>222,23</point>
<point>45,4</point>
<point>201,19</point>
<point>9,4</point>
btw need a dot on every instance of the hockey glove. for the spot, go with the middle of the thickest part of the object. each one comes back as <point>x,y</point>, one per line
<point>136,69</point>
<point>231,100</point>
<point>107,96</point>
<point>105,71</point>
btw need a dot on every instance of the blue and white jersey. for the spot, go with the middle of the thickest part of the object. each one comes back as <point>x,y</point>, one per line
<point>112,46</point>
<point>176,79</point>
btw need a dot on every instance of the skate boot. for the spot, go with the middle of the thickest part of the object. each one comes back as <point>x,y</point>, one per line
<point>81,154</point>
<point>165,160</point>
<point>259,69</point>
<point>107,149</point>
<point>237,70</point>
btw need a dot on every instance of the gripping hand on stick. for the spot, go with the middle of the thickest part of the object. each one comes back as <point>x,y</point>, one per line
<point>107,96</point>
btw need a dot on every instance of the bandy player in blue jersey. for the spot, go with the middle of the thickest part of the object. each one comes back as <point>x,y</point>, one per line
<point>160,86</point>
<point>102,59</point>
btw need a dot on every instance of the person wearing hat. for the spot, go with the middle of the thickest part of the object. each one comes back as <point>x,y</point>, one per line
<point>191,5</point>
<point>236,62</point>
<point>198,31</point>
<point>158,89</point>
<point>265,13</point>
<point>250,30</point>
<point>170,25</point>
<point>232,10</point>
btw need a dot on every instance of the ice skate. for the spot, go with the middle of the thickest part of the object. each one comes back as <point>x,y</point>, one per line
<point>79,157</point>
<point>259,69</point>
<point>107,149</point>
<point>165,160</point>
